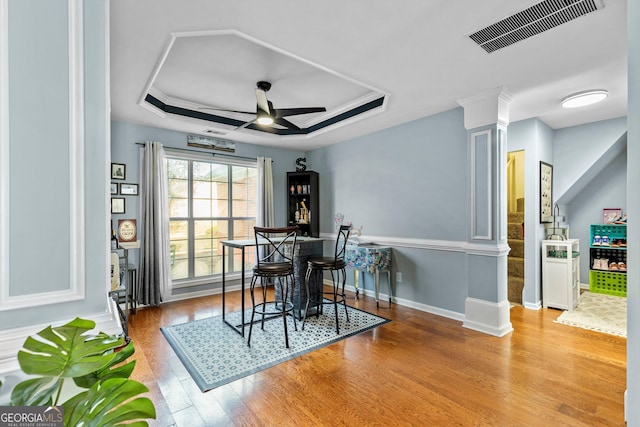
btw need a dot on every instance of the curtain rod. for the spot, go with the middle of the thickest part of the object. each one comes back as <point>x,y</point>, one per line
<point>206,152</point>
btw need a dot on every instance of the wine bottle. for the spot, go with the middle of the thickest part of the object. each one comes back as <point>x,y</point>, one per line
<point>114,240</point>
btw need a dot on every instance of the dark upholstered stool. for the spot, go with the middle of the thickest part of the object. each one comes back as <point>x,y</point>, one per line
<point>337,266</point>
<point>274,263</point>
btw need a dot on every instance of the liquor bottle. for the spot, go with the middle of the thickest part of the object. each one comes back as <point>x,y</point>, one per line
<point>114,240</point>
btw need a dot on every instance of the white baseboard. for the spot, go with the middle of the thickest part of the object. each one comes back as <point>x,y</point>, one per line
<point>536,306</point>
<point>408,303</point>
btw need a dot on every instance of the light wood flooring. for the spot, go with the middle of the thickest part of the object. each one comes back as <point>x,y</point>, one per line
<point>418,370</point>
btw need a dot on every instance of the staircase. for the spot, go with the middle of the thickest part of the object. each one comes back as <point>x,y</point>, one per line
<point>515,261</point>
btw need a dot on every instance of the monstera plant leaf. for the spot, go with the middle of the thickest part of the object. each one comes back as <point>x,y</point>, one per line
<point>94,362</point>
<point>66,352</point>
<point>107,403</point>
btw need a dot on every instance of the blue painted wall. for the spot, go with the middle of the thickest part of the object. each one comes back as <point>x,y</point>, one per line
<point>402,183</point>
<point>39,196</point>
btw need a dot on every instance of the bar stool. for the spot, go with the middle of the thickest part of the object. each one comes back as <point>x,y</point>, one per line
<point>275,249</point>
<point>337,266</point>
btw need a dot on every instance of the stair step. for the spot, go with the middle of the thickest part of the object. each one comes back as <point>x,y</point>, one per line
<point>515,217</point>
<point>515,266</point>
<point>517,248</point>
<point>514,231</point>
<point>515,285</point>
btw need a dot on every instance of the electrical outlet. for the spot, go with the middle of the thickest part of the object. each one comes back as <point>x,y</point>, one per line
<point>398,277</point>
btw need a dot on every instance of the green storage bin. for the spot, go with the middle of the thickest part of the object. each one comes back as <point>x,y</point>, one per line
<point>607,282</point>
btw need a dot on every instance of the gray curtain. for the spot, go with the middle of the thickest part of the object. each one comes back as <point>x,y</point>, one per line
<point>155,267</point>
<point>265,217</point>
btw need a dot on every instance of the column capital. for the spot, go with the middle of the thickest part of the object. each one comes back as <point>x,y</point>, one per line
<point>486,108</point>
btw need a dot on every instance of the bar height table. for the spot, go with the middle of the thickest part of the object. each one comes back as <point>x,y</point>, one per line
<point>313,247</point>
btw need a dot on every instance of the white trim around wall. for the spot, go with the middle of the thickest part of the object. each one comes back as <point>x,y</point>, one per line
<point>76,147</point>
<point>4,146</point>
<point>76,290</point>
<point>11,341</point>
<point>475,194</point>
<point>432,244</point>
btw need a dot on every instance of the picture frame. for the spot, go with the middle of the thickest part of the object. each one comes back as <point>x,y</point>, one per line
<point>129,189</point>
<point>611,215</point>
<point>117,205</point>
<point>114,188</point>
<point>118,171</point>
<point>546,193</point>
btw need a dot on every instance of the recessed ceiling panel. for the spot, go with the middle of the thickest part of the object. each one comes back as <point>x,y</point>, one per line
<point>203,74</point>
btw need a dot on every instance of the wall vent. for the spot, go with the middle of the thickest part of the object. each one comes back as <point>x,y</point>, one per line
<point>214,132</point>
<point>534,20</point>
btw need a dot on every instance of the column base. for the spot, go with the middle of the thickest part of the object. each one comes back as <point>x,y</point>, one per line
<point>488,317</point>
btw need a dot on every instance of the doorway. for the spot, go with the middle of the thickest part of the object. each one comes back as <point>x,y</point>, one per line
<point>515,225</point>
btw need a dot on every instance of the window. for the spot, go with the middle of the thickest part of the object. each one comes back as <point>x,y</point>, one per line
<point>208,202</point>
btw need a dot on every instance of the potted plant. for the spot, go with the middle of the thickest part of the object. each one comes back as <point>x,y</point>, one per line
<point>101,393</point>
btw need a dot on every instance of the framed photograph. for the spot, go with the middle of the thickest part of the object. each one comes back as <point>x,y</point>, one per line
<point>129,189</point>
<point>114,188</point>
<point>117,205</point>
<point>546,195</point>
<point>611,215</point>
<point>118,171</point>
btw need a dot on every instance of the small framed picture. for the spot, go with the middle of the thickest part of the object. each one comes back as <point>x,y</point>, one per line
<point>117,205</point>
<point>114,188</point>
<point>546,196</point>
<point>118,171</point>
<point>611,215</point>
<point>129,189</point>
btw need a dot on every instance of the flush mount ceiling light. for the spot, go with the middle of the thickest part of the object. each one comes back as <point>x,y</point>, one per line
<point>582,99</point>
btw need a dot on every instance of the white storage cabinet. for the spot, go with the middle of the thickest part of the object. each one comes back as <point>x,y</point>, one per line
<point>560,273</point>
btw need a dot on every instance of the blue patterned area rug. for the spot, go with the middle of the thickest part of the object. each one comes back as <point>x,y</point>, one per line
<point>214,354</point>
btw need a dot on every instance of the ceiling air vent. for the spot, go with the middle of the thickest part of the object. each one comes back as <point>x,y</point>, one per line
<point>534,20</point>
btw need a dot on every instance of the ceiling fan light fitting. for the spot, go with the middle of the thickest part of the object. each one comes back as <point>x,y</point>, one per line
<point>265,120</point>
<point>583,99</point>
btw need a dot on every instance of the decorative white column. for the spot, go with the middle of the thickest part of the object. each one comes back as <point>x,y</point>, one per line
<point>486,116</point>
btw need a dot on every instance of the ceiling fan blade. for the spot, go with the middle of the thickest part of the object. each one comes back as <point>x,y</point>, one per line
<point>228,111</point>
<point>245,125</point>
<point>286,123</point>
<point>263,103</point>
<point>285,112</point>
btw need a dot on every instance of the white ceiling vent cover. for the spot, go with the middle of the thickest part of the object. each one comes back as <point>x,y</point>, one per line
<point>534,20</point>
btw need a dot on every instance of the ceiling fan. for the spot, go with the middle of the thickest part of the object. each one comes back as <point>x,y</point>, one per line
<point>266,114</point>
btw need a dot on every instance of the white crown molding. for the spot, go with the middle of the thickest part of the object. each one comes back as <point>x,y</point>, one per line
<point>486,108</point>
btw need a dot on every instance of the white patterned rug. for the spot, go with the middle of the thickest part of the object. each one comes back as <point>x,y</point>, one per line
<point>598,312</point>
<point>215,354</point>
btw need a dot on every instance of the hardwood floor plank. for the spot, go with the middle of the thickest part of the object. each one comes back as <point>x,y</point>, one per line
<point>420,369</point>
